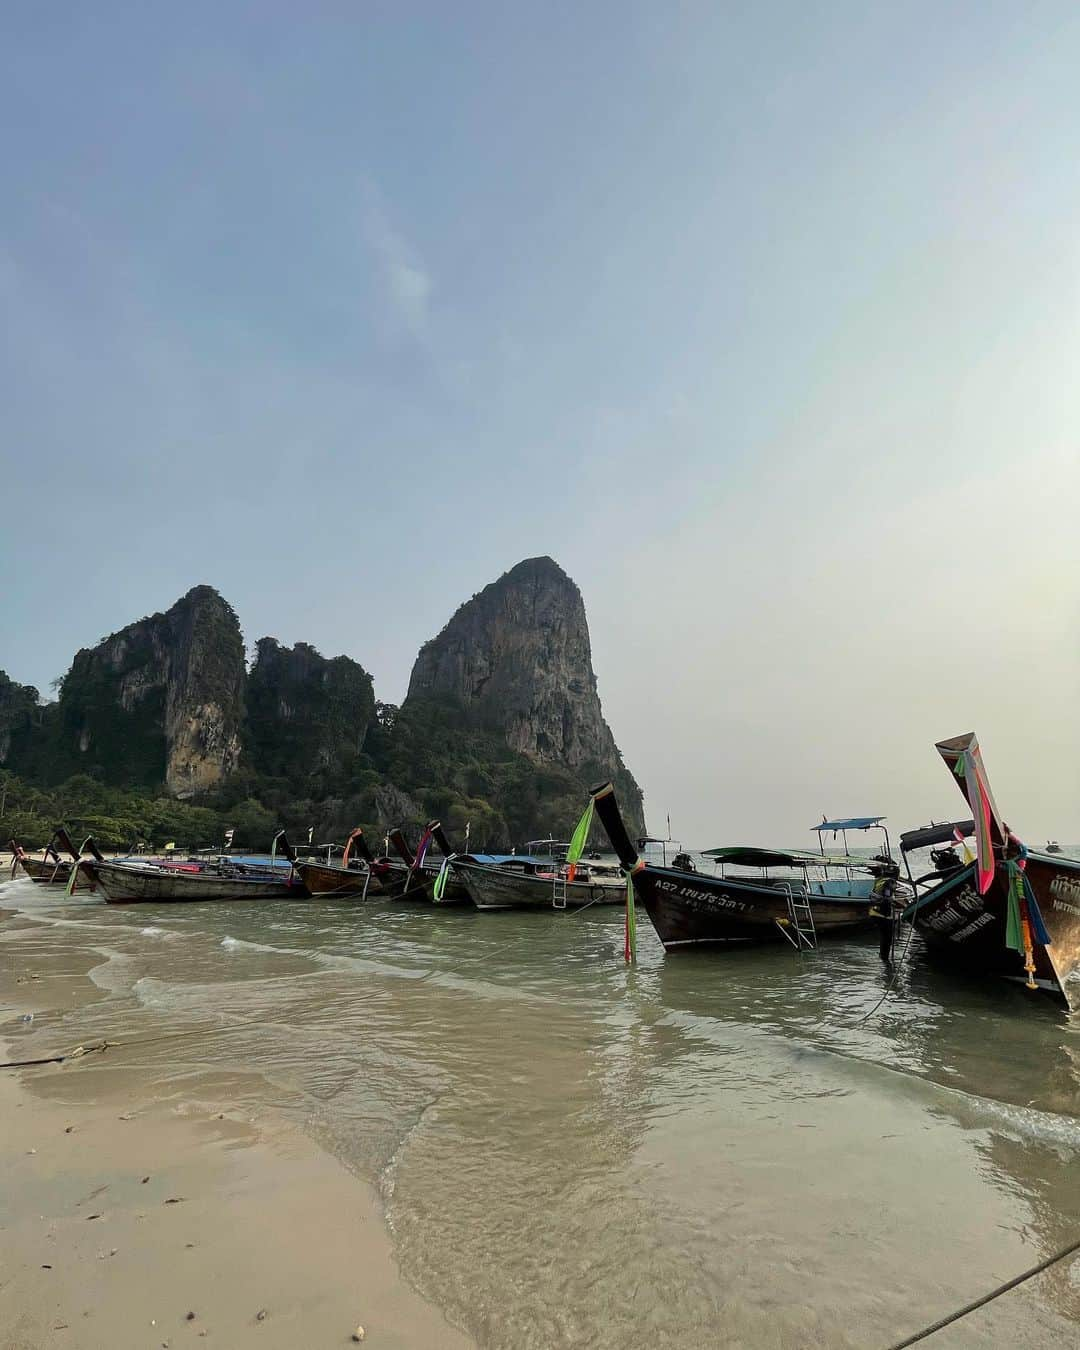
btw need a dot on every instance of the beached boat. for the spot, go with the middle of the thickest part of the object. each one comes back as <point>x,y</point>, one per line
<point>770,895</point>
<point>356,874</point>
<point>446,888</point>
<point>516,881</point>
<point>1008,911</point>
<point>125,882</point>
<point>50,869</point>
<point>406,877</point>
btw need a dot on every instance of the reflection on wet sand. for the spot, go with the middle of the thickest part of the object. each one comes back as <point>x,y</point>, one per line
<point>693,1152</point>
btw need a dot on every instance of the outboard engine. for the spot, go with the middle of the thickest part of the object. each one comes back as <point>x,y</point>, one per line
<point>682,862</point>
<point>883,866</point>
<point>946,859</point>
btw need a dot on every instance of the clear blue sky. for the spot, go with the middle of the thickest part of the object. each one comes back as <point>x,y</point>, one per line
<point>761,319</point>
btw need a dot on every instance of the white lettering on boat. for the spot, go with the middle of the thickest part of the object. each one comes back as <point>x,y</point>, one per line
<point>972,927</point>
<point>1066,889</point>
<point>700,899</point>
<point>956,911</point>
<point>1064,905</point>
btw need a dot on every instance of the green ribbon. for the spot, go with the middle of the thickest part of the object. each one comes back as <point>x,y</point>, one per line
<point>580,837</point>
<point>631,921</point>
<point>441,880</point>
<point>1014,927</point>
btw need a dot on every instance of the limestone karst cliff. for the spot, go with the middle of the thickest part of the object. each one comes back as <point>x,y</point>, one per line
<point>18,714</point>
<point>501,732</point>
<point>517,660</point>
<point>160,701</point>
<point>306,714</point>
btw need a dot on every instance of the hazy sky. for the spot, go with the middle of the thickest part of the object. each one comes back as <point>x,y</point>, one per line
<point>762,319</point>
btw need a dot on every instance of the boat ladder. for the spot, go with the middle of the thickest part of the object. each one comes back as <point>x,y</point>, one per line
<point>799,928</point>
<point>558,892</point>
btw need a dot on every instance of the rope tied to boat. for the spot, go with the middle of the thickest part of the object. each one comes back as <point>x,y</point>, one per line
<point>988,1298</point>
<point>94,1048</point>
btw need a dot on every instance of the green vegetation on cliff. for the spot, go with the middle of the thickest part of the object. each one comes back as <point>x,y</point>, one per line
<point>502,730</point>
<point>307,717</point>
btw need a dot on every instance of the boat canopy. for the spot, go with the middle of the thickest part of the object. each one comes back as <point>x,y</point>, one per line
<point>741,856</point>
<point>494,859</point>
<point>851,823</point>
<point>928,835</point>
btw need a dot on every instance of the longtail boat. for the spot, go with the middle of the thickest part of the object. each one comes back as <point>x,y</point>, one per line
<point>447,888</point>
<point>407,878</point>
<point>784,902</point>
<point>50,869</point>
<point>1009,911</point>
<point>124,882</point>
<point>517,881</point>
<point>357,874</point>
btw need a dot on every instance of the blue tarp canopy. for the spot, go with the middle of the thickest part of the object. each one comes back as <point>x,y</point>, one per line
<point>496,859</point>
<point>851,823</point>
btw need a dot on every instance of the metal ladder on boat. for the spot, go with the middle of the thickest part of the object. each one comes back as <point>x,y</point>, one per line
<point>799,928</point>
<point>558,892</point>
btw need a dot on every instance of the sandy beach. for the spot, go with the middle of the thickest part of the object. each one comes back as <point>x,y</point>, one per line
<point>412,1119</point>
<point>133,1221</point>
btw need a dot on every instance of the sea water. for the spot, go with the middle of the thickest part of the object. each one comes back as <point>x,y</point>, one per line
<point>705,1149</point>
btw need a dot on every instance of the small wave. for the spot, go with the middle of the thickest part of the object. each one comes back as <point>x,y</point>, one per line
<point>1026,1124</point>
<point>233,944</point>
<point>154,932</point>
<point>114,975</point>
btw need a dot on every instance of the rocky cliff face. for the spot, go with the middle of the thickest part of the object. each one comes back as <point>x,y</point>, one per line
<point>18,713</point>
<point>307,714</point>
<point>160,701</point>
<point>517,660</point>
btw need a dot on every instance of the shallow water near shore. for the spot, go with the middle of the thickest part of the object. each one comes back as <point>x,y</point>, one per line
<point>702,1150</point>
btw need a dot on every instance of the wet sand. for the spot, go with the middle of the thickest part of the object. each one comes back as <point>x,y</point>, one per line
<point>555,1150</point>
<point>124,1214</point>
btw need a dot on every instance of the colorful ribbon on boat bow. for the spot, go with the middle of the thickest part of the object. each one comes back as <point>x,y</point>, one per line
<point>968,768</point>
<point>630,946</point>
<point>578,840</point>
<point>440,881</point>
<point>1024,924</point>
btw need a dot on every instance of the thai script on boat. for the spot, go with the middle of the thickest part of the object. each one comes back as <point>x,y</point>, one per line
<point>959,909</point>
<point>1065,890</point>
<point>703,899</point>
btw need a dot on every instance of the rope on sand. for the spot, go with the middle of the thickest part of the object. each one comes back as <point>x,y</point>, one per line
<point>988,1298</point>
<point>95,1047</point>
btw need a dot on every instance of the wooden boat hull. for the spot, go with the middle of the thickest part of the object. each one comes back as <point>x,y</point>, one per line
<point>692,910</point>
<point>43,873</point>
<point>124,884</point>
<point>327,880</point>
<point>498,888</point>
<point>966,930</point>
<point>455,892</point>
<point>414,886</point>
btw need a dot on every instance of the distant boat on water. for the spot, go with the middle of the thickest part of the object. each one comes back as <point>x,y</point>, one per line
<point>1052,846</point>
